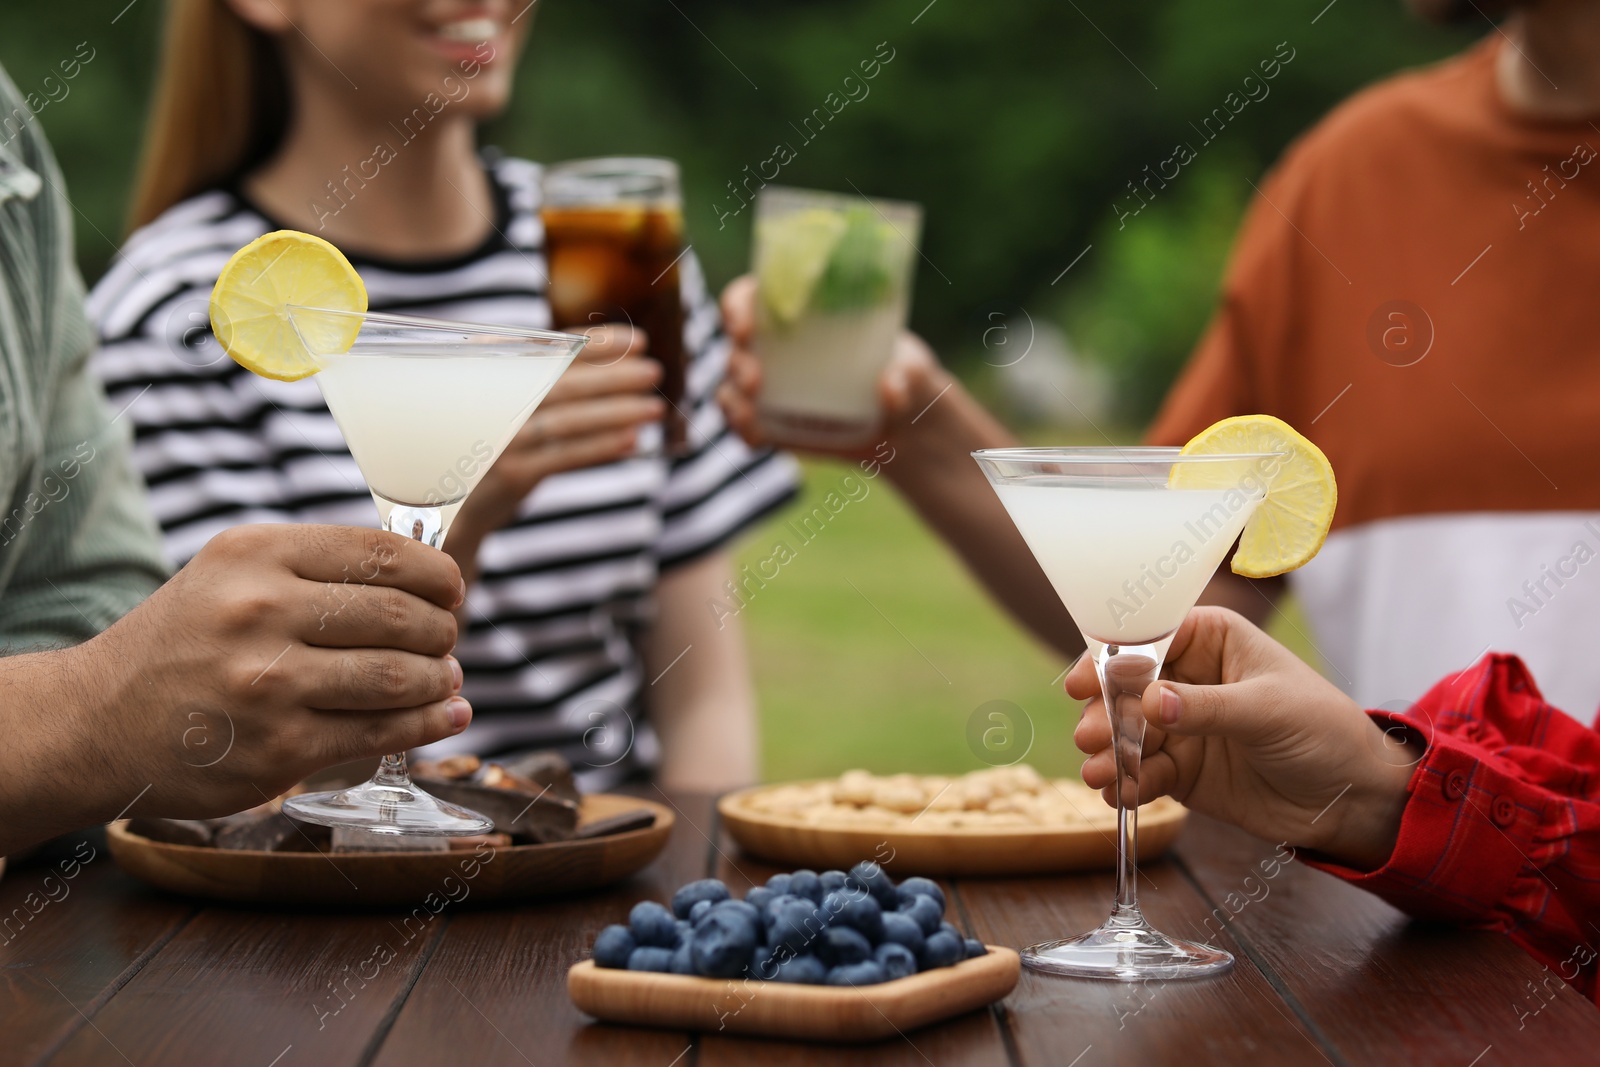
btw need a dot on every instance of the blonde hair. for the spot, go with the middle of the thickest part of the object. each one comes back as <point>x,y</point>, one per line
<point>220,107</point>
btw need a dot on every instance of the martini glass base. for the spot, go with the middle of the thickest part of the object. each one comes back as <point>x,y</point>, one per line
<point>1126,951</point>
<point>387,809</point>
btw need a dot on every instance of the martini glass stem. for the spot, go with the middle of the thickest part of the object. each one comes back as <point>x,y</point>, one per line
<point>1124,672</point>
<point>420,523</point>
<point>393,771</point>
<point>428,525</point>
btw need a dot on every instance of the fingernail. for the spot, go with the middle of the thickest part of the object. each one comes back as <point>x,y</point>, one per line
<point>455,671</point>
<point>1171,706</point>
<point>460,713</point>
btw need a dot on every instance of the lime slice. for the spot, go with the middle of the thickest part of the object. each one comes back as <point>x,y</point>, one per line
<point>866,261</point>
<point>249,304</point>
<point>794,251</point>
<point>1290,525</point>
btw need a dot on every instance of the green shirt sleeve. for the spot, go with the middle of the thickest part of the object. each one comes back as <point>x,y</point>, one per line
<point>78,548</point>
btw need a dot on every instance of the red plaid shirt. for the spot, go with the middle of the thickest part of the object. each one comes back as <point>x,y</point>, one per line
<point>1502,830</point>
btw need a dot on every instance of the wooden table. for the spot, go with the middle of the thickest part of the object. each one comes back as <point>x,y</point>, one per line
<point>99,970</point>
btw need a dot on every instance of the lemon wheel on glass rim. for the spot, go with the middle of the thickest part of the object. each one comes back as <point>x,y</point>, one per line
<point>1291,523</point>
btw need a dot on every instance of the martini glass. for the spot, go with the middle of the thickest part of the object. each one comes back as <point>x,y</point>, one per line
<point>1128,553</point>
<point>425,407</point>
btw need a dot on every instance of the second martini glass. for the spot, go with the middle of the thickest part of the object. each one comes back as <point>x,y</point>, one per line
<point>426,407</point>
<point>1128,551</point>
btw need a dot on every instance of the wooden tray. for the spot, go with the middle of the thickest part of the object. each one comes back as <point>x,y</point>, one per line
<point>386,879</point>
<point>803,1012</point>
<point>907,850</point>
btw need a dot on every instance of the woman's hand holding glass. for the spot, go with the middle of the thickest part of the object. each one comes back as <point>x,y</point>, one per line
<point>1242,729</point>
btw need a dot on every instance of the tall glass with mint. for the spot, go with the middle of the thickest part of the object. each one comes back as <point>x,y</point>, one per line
<point>834,286</point>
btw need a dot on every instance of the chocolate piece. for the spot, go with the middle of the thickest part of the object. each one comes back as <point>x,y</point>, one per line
<point>541,818</point>
<point>346,839</point>
<point>497,777</point>
<point>469,844</point>
<point>454,768</point>
<point>256,830</point>
<point>617,824</point>
<point>172,831</point>
<point>544,768</point>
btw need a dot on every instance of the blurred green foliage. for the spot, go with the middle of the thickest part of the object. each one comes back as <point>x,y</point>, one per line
<point>1016,125</point>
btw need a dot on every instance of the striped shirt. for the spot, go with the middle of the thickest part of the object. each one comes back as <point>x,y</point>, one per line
<point>550,646</point>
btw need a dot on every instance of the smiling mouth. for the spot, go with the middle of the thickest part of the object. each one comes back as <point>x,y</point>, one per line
<point>469,31</point>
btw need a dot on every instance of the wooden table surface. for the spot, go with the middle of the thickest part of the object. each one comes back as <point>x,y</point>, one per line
<point>100,970</point>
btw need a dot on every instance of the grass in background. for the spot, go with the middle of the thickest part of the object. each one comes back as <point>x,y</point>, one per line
<point>873,648</point>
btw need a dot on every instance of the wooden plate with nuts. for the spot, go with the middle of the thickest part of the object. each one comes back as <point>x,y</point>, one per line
<point>998,821</point>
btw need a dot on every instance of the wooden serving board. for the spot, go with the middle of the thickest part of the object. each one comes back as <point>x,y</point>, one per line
<point>386,879</point>
<point>906,849</point>
<point>802,1012</point>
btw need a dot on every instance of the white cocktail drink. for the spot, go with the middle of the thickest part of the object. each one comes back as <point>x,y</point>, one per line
<point>423,429</point>
<point>1128,537</point>
<point>1127,561</point>
<point>426,407</point>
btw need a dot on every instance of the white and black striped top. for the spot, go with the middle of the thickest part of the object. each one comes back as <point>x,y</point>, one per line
<point>550,647</point>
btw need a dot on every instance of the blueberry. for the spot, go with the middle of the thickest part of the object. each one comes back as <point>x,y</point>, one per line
<point>834,903</point>
<point>650,959</point>
<point>763,965</point>
<point>792,924</point>
<point>864,915</point>
<point>802,970</point>
<point>867,972</point>
<point>806,884</point>
<point>688,896</point>
<point>685,930</point>
<point>897,961</point>
<point>699,910</point>
<point>927,913</point>
<point>722,944</point>
<point>759,897</point>
<point>840,945</point>
<point>975,948</point>
<point>778,901</point>
<point>832,880</point>
<point>682,959</point>
<point>926,887</point>
<point>779,883</point>
<point>947,928</point>
<point>613,947</point>
<point>653,925</point>
<point>745,908</point>
<point>942,950</point>
<point>902,929</point>
<point>875,880</point>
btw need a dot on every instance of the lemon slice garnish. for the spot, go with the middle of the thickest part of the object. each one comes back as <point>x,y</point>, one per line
<point>794,251</point>
<point>249,304</point>
<point>1291,523</point>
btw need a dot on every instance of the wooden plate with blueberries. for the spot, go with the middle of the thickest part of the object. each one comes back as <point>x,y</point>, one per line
<point>548,840</point>
<point>837,956</point>
<point>1001,821</point>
